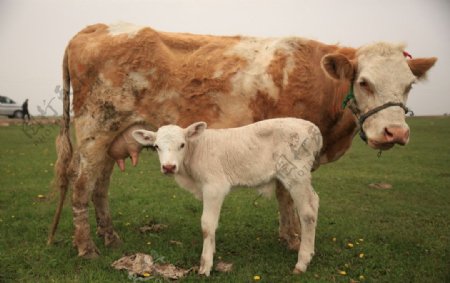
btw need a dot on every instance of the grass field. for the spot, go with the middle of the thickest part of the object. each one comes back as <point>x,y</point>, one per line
<point>403,233</point>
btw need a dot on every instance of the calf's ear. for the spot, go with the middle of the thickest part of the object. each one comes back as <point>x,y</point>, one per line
<point>195,130</point>
<point>144,137</point>
<point>420,66</point>
<point>337,66</point>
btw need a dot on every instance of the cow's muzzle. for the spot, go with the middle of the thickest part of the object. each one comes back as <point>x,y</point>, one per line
<point>393,135</point>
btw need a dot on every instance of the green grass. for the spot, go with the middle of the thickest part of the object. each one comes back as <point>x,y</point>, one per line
<point>405,230</point>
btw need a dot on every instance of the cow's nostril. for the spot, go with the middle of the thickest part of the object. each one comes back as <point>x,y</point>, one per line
<point>396,134</point>
<point>387,133</point>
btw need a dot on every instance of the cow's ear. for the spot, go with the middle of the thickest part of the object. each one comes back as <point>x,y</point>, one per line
<point>144,137</point>
<point>420,66</point>
<point>338,67</point>
<point>195,130</point>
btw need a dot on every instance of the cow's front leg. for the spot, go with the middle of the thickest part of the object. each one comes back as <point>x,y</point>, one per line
<point>100,199</point>
<point>212,202</point>
<point>307,204</point>
<point>289,230</point>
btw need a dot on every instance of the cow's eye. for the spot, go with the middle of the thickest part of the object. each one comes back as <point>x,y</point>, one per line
<point>156,147</point>
<point>182,146</point>
<point>365,85</point>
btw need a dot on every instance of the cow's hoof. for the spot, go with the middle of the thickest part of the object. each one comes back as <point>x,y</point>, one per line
<point>90,253</point>
<point>112,240</point>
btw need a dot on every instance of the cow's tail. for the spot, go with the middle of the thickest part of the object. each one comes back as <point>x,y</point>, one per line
<point>63,150</point>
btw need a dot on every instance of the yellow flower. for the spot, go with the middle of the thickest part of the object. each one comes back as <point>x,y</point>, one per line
<point>334,239</point>
<point>361,277</point>
<point>342,272</point>
<point>361,255</point>
<point>146,274</point>
<point>41,196</point>
<point>350,245</point>
<point>256,277</point>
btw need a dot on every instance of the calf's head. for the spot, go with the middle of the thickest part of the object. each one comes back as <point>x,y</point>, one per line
<point>171,142</point>
<point>381,77</point>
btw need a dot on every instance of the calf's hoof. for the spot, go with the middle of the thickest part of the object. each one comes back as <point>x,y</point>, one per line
<point>204,269</point>
<point>297,271</point>
<point>204,272</point>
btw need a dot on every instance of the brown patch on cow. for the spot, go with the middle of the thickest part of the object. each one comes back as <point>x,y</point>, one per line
<point>261,106</point>
<point>277,67</point>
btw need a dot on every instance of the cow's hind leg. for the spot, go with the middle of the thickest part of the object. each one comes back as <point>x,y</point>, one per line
<point>306,202</point>
<point>289,230</point>
<point>92,178</point>
<point>100,199</point>
<point>82,189</point>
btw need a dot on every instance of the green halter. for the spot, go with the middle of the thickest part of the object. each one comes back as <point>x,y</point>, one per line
<point>350,96</point>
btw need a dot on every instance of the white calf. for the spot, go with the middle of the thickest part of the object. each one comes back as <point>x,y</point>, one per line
<point>209,163</point>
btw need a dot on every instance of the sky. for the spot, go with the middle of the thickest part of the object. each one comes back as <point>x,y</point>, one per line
<point>34,34</point>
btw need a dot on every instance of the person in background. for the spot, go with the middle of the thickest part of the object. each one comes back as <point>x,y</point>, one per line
<point>25,110</point>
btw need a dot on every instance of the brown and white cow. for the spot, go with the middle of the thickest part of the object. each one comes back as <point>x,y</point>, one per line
<point>126,77</point>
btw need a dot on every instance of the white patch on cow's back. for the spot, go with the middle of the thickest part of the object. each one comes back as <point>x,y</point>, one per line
<point>259,53</point>
<point>124,28</point>
<point>290,65</point>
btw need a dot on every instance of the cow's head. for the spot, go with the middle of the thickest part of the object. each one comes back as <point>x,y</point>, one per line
<point>381,76</point>
<point>171,142</point>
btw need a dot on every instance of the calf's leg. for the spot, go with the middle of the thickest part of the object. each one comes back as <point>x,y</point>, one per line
<point>212,202</point>
<point>307,204</point>
<point>289,230</point>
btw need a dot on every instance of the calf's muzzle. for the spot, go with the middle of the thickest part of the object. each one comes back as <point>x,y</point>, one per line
<point>168,168</point>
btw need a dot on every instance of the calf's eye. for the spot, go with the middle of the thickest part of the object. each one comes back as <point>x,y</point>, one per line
<point>182,146</point>
<point>156,146</point>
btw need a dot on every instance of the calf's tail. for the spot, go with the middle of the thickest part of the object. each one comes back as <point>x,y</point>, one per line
<point>64,151</point>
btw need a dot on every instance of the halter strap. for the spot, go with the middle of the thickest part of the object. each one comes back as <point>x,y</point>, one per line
<point>369,113</point>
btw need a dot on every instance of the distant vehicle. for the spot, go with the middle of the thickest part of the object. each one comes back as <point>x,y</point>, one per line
<point>10,108</point>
